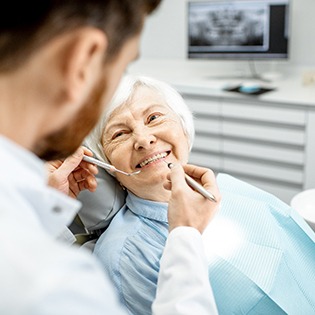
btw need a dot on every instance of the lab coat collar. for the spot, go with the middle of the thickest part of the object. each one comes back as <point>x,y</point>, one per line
<point>26,176</point>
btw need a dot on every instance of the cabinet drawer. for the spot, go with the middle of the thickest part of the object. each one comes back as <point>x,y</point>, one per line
<point>263,113</point>
<point>207,125</point>
<point>203,106</point>
<point>263,170</point>
<point>264,152</point>
<point>207,143</point>
<point>264,133</point>
<point>206,160</point>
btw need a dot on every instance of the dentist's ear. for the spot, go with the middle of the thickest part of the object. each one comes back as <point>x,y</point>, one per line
<point>82,62</point>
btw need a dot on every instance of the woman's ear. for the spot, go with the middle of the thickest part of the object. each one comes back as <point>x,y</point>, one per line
<point>82,58</point>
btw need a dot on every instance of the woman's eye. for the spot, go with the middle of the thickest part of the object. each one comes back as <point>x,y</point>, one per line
<point>117,134</point>
<point>153,117</point>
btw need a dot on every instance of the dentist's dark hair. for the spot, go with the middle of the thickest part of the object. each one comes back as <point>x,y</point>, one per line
<point>27,25</point>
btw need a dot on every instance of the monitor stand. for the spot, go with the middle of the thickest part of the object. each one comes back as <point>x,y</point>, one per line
<point>253,76</point>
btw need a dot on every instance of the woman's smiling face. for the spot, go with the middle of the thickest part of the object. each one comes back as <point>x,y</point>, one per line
<point>142,135</point>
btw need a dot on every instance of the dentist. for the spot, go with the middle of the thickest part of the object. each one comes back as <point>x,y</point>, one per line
<point>56,60</point>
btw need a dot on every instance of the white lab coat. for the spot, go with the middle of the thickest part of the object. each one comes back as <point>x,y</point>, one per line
<point>40,275</point>
<point>183,284</point>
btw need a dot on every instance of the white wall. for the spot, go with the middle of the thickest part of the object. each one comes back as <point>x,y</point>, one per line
<point>165,32</point>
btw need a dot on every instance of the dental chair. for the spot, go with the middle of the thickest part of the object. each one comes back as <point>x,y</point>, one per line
<point>98,209</point>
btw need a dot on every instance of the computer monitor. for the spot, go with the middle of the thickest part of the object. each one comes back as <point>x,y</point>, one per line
<point>239,29</point>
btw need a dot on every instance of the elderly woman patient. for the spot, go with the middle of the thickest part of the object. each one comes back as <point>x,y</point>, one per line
<point>261,254</point>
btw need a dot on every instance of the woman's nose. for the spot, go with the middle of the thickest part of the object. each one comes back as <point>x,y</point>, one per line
<point>143,140</point>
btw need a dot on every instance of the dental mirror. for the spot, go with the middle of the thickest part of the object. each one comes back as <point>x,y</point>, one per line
<point>107,166</point>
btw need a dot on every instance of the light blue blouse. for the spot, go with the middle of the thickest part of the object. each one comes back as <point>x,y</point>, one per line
<point>261,253</point>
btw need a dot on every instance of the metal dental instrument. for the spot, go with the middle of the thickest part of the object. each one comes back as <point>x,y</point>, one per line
<point>191,182</point>
<point>107,166</point>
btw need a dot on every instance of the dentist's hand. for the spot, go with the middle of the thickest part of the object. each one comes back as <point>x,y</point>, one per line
<point>186,206</point>
<point>72,175</point>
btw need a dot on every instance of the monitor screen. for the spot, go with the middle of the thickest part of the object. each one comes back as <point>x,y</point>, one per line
<point>239,29</point>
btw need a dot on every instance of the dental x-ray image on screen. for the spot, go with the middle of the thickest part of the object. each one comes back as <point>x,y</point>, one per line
<point>238,29</point>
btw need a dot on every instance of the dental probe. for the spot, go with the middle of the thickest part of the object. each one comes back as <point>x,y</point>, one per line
<point>191,182</point>
<point>107,166</point>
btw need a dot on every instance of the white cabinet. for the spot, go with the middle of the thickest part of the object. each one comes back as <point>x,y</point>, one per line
<point>270,145</point>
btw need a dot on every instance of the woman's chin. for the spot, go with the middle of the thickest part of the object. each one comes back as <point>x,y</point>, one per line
<point>152,180</point>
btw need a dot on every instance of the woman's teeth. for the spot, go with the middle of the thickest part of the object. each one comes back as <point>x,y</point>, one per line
<point>153,159</point>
